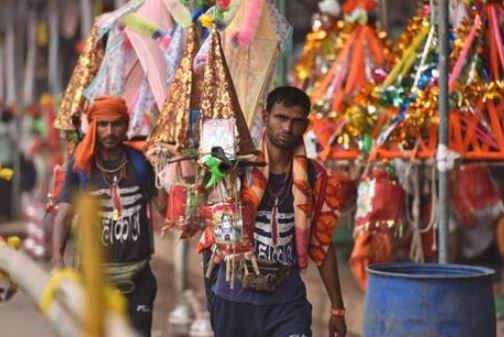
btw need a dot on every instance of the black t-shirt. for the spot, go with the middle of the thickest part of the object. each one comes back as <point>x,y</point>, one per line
<point>281,249</point>
<point>129,238</point>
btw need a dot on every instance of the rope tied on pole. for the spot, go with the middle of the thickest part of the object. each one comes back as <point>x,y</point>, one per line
<point>446,158</point>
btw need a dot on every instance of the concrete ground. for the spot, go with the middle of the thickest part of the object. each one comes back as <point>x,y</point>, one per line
<point>18,311</point>
<point>15,314</point>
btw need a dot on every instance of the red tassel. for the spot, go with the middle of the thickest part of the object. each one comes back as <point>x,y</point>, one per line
<point>116,201</point>
<point>274,225</point>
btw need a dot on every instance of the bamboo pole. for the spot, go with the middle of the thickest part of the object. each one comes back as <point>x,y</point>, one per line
<point>87,208</point>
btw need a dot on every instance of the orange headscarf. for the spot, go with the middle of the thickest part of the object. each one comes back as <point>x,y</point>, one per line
<point>104,108</point>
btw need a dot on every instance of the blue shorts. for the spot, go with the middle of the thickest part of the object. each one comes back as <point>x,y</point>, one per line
<point>231,319</point>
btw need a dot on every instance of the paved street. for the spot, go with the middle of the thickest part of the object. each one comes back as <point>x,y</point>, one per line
<point>15,314</point>
<point>20,317</point>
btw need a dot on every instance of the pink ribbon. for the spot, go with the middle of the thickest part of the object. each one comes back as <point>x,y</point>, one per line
<point>463,55</point>
<point>496,31</point>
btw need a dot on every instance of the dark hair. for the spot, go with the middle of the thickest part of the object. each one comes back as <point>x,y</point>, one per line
<point>289,97</point>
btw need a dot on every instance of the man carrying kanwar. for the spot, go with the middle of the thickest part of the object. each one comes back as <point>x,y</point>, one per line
<point>107,166</point>
<point>293,203</point>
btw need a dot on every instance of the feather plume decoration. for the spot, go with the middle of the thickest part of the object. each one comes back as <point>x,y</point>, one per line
<point>143,26</point>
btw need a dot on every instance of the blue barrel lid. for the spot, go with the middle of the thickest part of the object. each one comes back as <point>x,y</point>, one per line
<point>429,271</point>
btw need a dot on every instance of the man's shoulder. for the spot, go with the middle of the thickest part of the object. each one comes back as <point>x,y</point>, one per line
<point>139,160</point>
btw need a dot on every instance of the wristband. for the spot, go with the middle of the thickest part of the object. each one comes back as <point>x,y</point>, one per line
<point>338,312</point>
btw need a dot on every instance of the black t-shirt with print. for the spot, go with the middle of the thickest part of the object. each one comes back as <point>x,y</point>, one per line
<point>284,250</point>
<point>127,239</point>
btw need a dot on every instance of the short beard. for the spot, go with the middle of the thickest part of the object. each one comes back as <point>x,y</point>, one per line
<point>280,145</point>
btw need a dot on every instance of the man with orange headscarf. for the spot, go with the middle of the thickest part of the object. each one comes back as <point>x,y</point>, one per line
<point>108,167</point>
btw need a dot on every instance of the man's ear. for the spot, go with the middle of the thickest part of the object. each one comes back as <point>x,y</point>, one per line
<point>265,114</point>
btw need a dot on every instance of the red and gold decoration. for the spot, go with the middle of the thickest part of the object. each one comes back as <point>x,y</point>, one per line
<point>74,103</point>
<point>223,103</point>
<point>473,191</point>
<point>321,47</point>
<point>377,220</point>
<point>172,126</point>
<point>339,61</point>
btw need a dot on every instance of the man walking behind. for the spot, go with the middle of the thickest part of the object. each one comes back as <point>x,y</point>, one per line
<point>120,176</point>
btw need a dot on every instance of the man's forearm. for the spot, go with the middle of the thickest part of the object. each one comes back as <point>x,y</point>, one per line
<point>61,232</point>
<point>329,274</point>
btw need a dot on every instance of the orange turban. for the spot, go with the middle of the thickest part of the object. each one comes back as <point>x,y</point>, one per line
<point>104,108</point>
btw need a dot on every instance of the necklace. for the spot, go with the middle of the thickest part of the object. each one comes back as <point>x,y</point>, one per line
<point>101,166</point>
<point>278,198</point>
<point>113,179</point>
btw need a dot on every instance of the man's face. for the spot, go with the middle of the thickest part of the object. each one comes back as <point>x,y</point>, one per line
<point>111,133</point>
<point>285,126</point>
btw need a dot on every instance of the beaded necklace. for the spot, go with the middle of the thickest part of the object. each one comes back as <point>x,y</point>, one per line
<point>113,177</point>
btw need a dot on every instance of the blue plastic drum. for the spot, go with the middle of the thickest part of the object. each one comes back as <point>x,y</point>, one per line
<point>429,300</point>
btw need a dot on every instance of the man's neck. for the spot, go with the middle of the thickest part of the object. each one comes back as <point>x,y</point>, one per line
<point>111,154</point>
<point>279,160</point>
